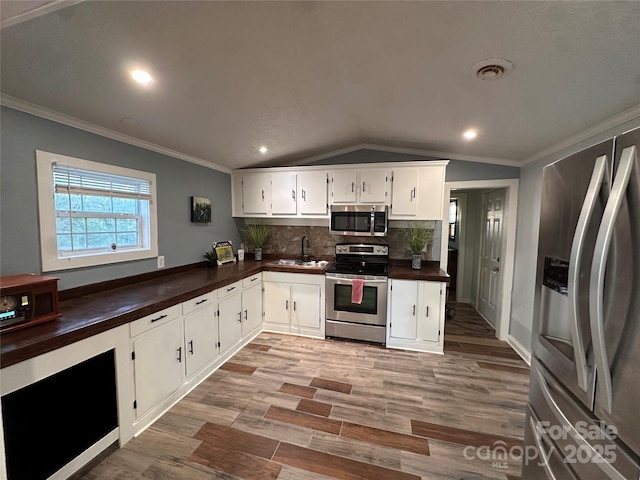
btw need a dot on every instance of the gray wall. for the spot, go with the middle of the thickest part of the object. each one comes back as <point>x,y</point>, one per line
<point>529,198</point>
<point>457,170</point>
<point>180,241</point>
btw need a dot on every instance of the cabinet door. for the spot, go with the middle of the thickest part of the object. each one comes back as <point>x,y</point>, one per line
<point>251,309</point>
<point>230,321</point>
<point>372,186</point>
<point>312,197</point>
<point>430,192</point>
<point>403,192</point>
<point>305,304</point>
<point>200,338</point>
<point>158,367</point>
<point>283,193</point>
<point>254,193</point>
<point>430,307</point>
<point>344,185</point>
<point>404,304</point>
<point>276,303</point>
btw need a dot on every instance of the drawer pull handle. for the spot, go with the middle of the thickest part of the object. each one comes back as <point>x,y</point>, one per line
<point>180,354</point>
<point>246,314</point>
<point>253,279</point>
<point>414,310</point>
<point>191,347</point>
<point>158,318</point>
<point>240,316</point>
<point>229,289</point>
<point>427,311</point>
<point>202,301</point>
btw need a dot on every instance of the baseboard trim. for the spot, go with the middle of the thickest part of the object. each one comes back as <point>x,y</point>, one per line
<point>524,353</point>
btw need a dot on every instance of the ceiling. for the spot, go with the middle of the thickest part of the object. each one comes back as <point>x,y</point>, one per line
<point>310,79</point>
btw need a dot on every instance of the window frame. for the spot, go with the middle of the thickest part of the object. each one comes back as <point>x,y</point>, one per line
<point>50,258</point>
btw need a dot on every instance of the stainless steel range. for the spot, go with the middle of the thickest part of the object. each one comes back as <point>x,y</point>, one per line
<point>357,292</point>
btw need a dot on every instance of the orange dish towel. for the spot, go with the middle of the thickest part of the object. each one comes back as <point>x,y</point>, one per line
<point>357,288</point>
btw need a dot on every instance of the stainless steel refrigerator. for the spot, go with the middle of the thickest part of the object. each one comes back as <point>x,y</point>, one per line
<point>583,418</point>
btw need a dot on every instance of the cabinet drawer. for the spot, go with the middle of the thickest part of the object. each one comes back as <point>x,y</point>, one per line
<point>252,280</point>
<point>230,289</point>
<point>150,321</point>
<point>199,302</point>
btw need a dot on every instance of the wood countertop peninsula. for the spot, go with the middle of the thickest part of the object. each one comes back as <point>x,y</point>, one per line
<point>96,308</point>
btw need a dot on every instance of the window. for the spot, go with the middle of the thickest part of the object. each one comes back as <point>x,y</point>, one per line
<point>93,213</point>
<point>453,219</point>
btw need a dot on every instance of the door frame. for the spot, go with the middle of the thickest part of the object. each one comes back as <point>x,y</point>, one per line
<point>462,232</point>
<point>510,211</point>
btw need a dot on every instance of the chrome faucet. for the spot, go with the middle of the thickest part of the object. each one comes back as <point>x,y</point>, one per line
<point>302,255</point>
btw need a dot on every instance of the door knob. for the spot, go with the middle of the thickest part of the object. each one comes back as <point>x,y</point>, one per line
<point>496,269</point>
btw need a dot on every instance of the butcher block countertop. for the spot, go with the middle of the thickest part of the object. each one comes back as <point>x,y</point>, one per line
<point>96,308</point>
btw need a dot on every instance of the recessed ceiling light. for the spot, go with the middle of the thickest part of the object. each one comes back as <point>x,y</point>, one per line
<point>470,134</point>
<point>263,149</point>
<point>142,77</point>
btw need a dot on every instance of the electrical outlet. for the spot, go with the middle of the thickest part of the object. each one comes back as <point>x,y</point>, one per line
<point>161,261</point>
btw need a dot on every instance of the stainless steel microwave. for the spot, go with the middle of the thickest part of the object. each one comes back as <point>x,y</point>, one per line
<point>359,220</point>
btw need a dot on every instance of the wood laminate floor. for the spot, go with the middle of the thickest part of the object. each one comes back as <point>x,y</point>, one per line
<point>290,408</point>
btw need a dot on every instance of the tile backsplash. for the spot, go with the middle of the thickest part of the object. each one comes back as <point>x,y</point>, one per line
<point>285,241</point>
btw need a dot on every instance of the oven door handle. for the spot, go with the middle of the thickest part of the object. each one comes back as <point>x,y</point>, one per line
<point>350,280</point>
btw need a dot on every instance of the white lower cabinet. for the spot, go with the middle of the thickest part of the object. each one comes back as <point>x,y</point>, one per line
<point>230,317</point>
<point>293,303</point>
<point>416,315</point>
<point>158,368</point>
<point>251,310</point>
<point>201,339</point>
<point>175,349</point>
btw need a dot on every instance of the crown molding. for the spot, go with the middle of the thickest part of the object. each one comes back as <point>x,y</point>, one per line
<point>38,11</point>
<point>407,151</point>
<point>37,110</point>
<point>597,129</point>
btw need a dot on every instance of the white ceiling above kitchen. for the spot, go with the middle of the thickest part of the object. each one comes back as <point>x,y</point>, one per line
<point>305,78</point>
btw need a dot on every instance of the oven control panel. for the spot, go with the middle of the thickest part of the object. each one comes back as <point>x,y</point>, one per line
<point>361,249</point>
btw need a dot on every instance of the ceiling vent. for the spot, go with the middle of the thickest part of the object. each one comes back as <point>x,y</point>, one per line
<point>492,68</point>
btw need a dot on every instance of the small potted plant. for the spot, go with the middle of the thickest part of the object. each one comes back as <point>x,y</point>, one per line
<point>211,258</point>
<point>257,234</point>
<point>418,237</point>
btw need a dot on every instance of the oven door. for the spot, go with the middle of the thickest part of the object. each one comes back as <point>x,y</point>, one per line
<point>372,310</point>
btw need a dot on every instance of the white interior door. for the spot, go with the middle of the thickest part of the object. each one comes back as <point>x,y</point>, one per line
<point>490,253</point>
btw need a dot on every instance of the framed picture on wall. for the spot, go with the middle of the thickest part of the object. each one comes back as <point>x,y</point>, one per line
<point>200,210</point>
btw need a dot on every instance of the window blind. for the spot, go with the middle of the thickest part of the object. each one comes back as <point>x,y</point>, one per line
<point>72,180</point>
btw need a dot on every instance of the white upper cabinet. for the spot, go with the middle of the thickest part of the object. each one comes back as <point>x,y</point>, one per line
<point>312,193</point>
<point>412,190</point>
<point>404,191</point>
<point>417,193</point>
<point>284,193</point>
<point>359,186</point>
<point>254,193</point>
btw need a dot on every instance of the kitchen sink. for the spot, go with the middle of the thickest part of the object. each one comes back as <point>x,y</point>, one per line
<point>298,263</point>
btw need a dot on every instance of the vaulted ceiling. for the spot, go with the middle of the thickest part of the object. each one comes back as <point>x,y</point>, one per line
<point>307,79</point>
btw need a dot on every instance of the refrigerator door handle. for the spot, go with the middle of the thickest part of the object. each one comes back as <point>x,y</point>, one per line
<point>598,267</point>
<point>568,427</point>
<point>600,172</point>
